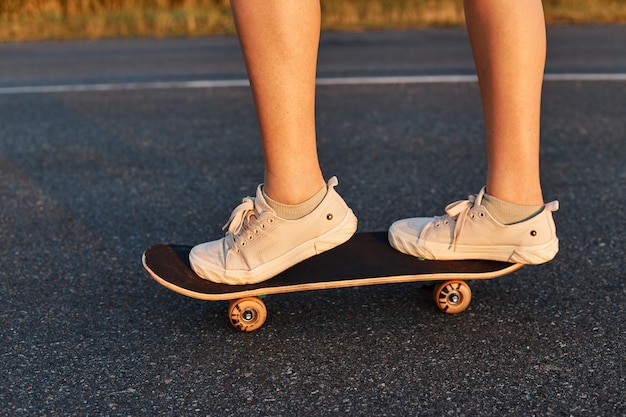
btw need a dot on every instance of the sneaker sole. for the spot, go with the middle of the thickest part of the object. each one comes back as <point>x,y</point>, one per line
<point>529,255</point>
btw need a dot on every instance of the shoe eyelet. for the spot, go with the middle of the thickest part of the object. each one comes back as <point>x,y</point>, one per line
<point>250,237</point>
<point>270,220</point>
<point>329,216</point>
<point>481,214</point>
<point>533,233</point>
<point>243,243</point>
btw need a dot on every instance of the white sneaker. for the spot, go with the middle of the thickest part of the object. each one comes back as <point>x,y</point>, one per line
<point>258,244</point>
<point>468,231</point>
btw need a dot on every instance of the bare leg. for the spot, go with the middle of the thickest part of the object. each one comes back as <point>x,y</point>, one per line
<point>295,215</point>
<point>280,39</point>
<point>509,45</point>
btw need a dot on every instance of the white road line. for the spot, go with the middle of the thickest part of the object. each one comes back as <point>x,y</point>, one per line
<point>585,77</point>
<point>78,88</point>
<point>417,79</point>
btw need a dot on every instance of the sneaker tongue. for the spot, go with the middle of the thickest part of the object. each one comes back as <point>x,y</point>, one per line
<point>260,205</point>
<point>479,197</point>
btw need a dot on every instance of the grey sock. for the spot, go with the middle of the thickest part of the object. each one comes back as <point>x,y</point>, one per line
<point>296,211</point>
<point>508,213</point>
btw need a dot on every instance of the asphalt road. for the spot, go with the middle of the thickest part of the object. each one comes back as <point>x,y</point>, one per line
<point>89,179</point>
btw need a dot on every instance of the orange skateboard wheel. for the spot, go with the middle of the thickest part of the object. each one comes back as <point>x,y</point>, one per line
<point>452,297</point>
<point>247,314</point>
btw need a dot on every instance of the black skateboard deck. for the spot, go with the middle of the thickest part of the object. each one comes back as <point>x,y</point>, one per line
<point>365,259</point>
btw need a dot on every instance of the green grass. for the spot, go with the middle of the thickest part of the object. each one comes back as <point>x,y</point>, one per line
<point>22,20</point>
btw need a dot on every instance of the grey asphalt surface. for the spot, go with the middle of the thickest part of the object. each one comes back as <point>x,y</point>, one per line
<point>88,180</point>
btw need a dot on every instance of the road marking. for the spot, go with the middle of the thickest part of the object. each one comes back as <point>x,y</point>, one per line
<point>165,85</point>
<point>585,77</point>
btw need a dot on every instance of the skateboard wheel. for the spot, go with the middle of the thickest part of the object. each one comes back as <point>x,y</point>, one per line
<point>247,314</point>
<point>452,297</point>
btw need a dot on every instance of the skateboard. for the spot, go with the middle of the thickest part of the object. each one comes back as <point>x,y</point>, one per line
<point>365,259</point>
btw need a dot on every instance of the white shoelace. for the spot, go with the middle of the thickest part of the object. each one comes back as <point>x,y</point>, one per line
<point>238,218</point>
<point>457,212</point>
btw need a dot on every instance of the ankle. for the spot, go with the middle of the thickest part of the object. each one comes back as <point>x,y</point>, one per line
<point>292,187</point>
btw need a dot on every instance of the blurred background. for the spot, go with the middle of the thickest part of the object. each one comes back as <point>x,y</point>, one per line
<point>24,20</point>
